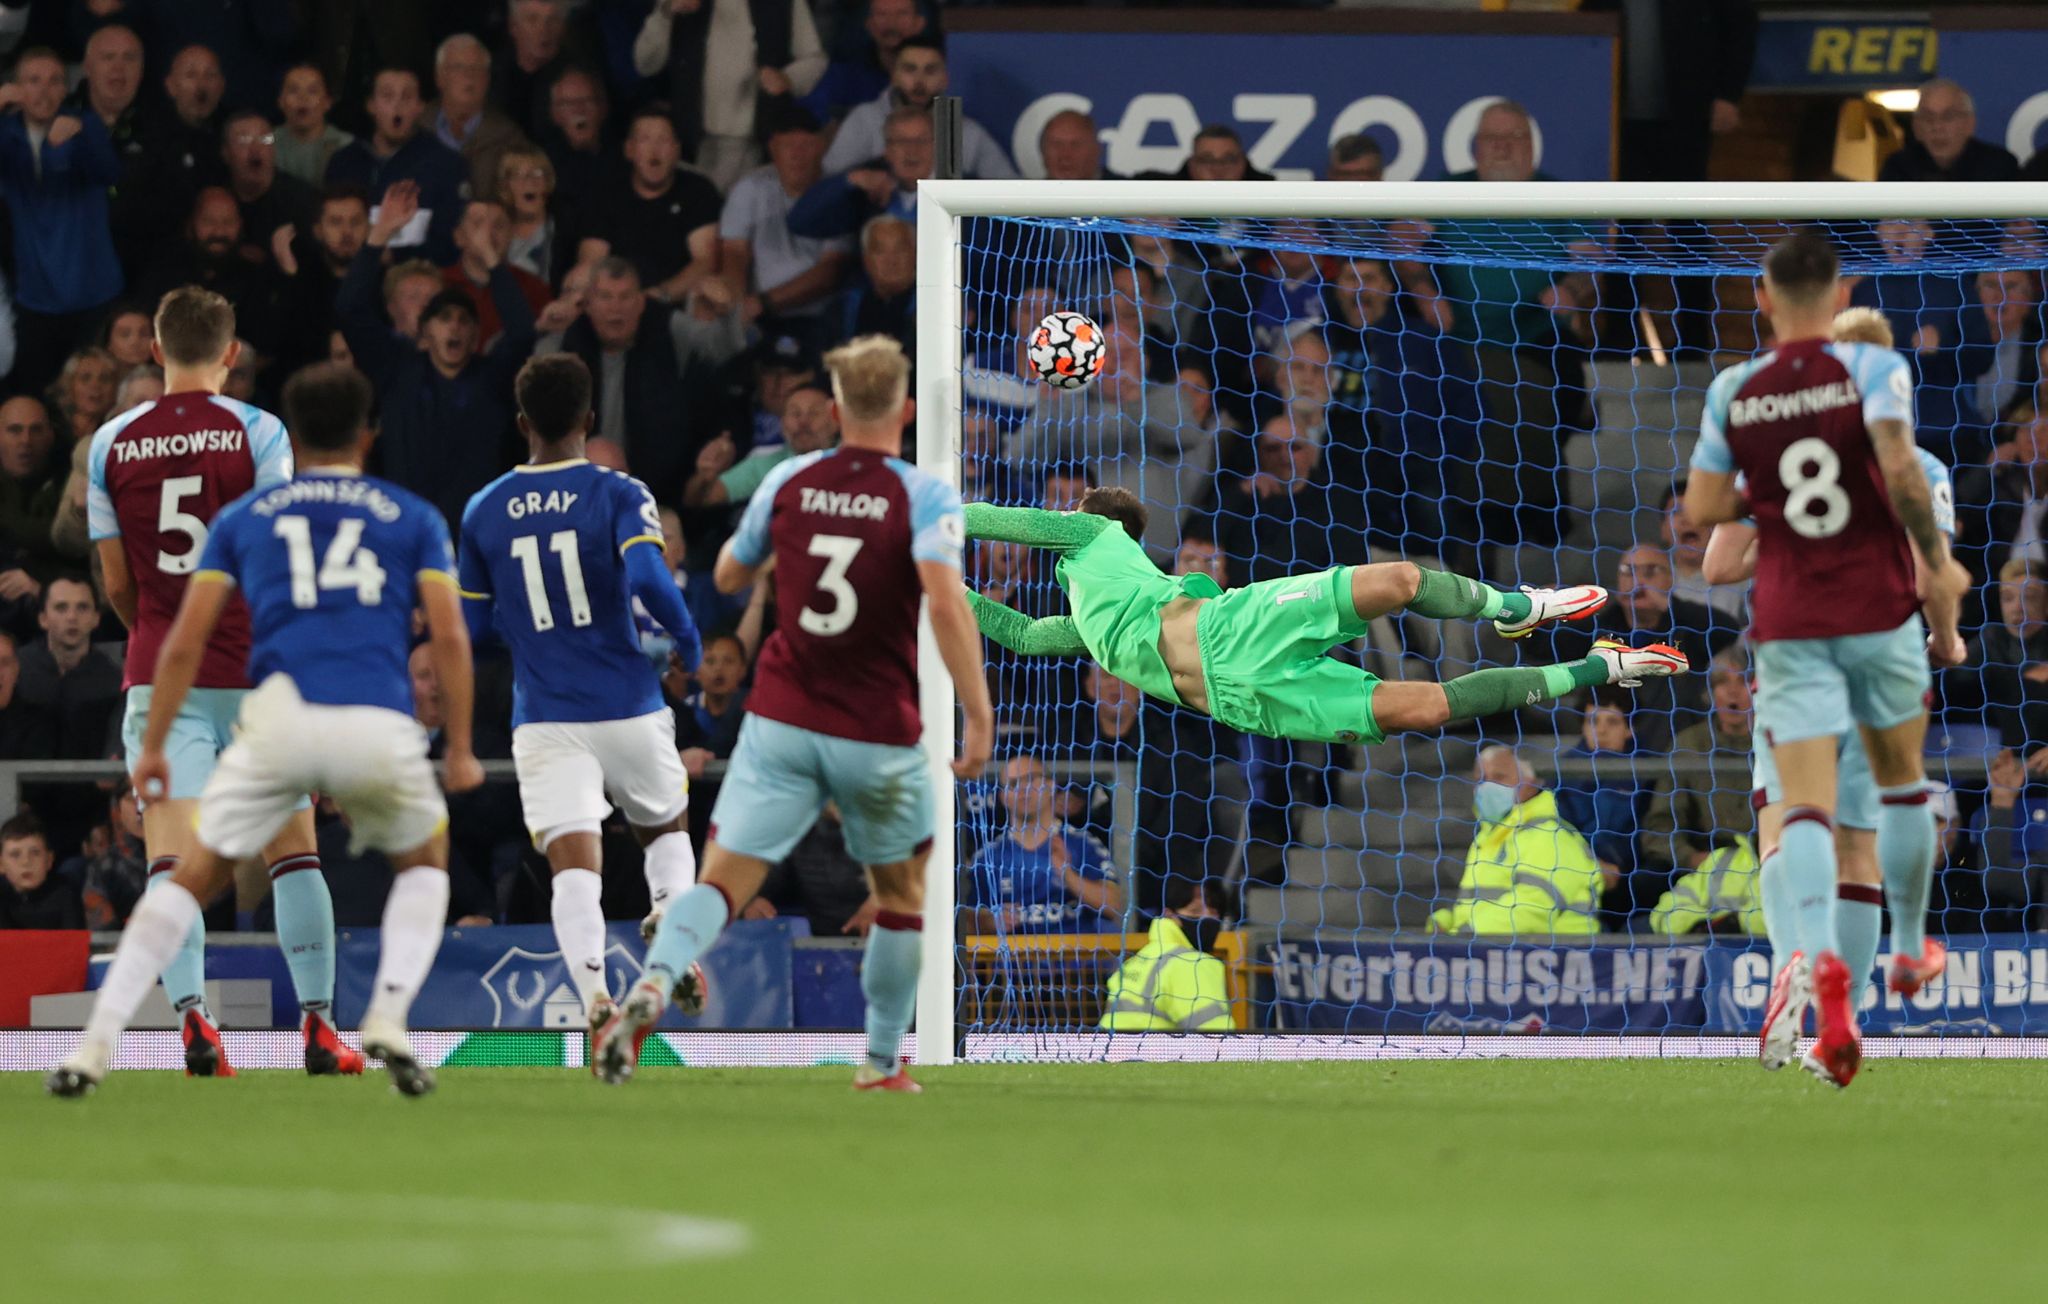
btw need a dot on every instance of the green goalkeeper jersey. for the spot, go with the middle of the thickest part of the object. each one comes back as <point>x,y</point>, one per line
<point>1113,588</point>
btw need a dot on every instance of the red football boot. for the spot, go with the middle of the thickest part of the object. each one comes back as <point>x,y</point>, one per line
<point>325,1054</point>
<point>205,1057</point>
<point>866,1078</point>
<point>1838,1050</point>
<point>1909,975</point>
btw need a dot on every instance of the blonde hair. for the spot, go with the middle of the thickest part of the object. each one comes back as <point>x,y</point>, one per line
<point>1863,326</point>
<point>2022,570</point>
<point>400,273</point>
<point>870,377</point>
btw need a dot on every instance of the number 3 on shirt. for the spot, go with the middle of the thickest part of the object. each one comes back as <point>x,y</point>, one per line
<point>838,550</point>
<point>348,565</point>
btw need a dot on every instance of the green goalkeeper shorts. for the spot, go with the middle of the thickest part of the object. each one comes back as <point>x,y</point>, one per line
<point>1263,659</point>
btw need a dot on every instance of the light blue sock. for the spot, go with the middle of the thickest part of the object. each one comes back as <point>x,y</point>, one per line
<point>888,979</point>
<point>1905,852</point>
<point>693,922</point>
<point>305,930</point>
<point>1859,910</point>
<point>1777,910</point>
<point>1806,850</point>
<point>185,976</point>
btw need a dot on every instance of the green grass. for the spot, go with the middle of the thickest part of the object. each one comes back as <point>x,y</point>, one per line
<point>1506,1181</point>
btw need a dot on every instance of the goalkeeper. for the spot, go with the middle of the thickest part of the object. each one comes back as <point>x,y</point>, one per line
<point>1253,658</point>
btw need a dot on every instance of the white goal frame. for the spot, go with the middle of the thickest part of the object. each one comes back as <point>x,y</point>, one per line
<point>942,204</point>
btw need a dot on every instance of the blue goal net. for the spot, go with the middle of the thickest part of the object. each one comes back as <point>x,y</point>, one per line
<point>1515,401</point>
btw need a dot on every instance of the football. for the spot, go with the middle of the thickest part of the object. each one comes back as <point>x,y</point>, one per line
<point>1067,350</point>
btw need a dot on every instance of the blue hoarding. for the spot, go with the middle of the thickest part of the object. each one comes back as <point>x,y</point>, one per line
<point>1290,95</point>
<point>1996,986</point>
<point>513,977</point>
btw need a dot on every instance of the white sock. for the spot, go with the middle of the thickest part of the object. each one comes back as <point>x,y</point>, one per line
<point>579,930</point>
<point>155,931</point>
<point>414,915</point>
<point>671,867</point>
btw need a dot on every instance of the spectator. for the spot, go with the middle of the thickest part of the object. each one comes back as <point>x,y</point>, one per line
<point>83,393</point>
<point>398,150</point>
<point>1040,876</point>
<point>916,78</point>
<point>2009,661</point>
<point>1930,321</point>
<point>269,200</point>
<point>113,82</point>
<point>783,280</point>
<point>26,732</point>
<point>1608,808</point>
<point>883,301</point>
<point>1357,157</point>
<point>1945,145</point>
<point>1070,147</point>
<point>2001,351</point>
<point>534,57</point>
<point>585,160</point>
<point>708,725</point>
<point>308,141</point>
<point>445,411</point>
<point>30,895</point>
<point>1528,873</point>
<point>130,330</point>
<point>1283,519</point>
<point>842,205</point>
<point>526,189</point>
<point>1705,814</point>
<point>139,385</point>
<point>1686,544</point>
<point>313,262</point>
<point>2002,506</point>
<point>2014,888</point>
<point>182,148</point>
<point>111,871</point>
<point>462,118</point>
<point>1173,984</point>
<point>484,237</point>
<point>55,168</point>
<point>808,425</point>
<point>639,354</point>
<point>29,496</point>
<point>1643,608</point>
<point>865,74</point>
<point>210,256</point>
<point>722,57</point>
<point>1504,313</point>
<point>820,882</point>
<point>250,38</point>
<point>1410,399</point>
<point>65,675</point>
<point>1217,154</point>
<point>663,219</point>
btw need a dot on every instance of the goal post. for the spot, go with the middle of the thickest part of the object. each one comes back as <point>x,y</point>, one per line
<point>1214,216</point>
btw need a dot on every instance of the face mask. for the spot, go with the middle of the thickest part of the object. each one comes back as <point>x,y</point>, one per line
<point>1491,802</point>
<point>1201,933</point>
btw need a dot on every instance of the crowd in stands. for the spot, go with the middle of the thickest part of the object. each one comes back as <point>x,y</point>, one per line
<point>700,196</point>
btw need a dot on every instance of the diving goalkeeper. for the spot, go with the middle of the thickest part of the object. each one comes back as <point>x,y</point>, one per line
<point>1253,658</point>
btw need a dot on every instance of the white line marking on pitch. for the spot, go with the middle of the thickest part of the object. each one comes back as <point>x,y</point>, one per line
<point>409,1233</point>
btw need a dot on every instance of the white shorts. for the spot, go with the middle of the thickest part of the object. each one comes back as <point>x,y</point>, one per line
<point>568,770</point>
<point>371,760</point>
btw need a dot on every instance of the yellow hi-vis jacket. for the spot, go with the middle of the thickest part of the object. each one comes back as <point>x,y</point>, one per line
<point>1168,986</point>
<point>1529,875</point>
<point>1725,886</point>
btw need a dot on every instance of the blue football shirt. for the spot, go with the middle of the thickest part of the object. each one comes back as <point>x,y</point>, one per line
<point>547,546</point>
<point>331,566</point>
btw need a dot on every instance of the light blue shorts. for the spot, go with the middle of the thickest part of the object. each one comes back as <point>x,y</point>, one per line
<point>1822,687</point>
<point>202,731</point>
<point>1855,790</point>
<point>780,777</point>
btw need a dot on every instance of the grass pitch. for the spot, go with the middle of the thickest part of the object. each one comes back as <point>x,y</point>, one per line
<point>1495,1181</point>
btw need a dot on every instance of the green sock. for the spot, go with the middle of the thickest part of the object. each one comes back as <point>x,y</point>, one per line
<point>1453,597</point>
<point>1488,692</point>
